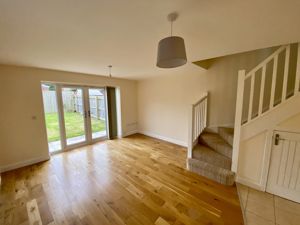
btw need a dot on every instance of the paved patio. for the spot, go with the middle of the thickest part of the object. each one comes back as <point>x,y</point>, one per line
<point>56,145</point>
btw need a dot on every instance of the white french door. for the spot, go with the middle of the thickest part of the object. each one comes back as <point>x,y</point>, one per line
<point>74,115</point>
<point>81,116</point>
<point>284,172</point>
<point>97,113</point>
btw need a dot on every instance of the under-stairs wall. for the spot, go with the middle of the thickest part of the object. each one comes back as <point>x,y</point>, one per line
<point>252,157</point>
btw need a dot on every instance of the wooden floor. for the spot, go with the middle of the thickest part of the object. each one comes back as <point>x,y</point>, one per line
<point>134,180</point>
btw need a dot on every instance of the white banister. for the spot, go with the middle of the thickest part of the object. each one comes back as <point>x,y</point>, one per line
<point>263,66</point>
<point>266,61</point>
<point>197,121</point>
<point>286,72</point>
<point>252,75</point>
<point>238,119</point>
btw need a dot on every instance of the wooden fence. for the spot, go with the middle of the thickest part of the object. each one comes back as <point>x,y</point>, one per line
<point>74,103</point>
<point>97,107</point>
<point>49,99</point>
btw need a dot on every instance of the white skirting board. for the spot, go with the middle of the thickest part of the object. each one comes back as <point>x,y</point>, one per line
<point>23,163</point>
<point>171,140</point>
<point>150,134</point>
<point>130,133</point>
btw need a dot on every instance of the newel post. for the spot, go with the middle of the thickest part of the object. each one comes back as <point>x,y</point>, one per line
<point>238,119</point>
<point>190,131</point>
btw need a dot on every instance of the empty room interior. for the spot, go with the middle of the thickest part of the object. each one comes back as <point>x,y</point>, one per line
<point>155,112</point>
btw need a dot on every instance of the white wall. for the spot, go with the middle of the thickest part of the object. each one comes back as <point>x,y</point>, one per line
<point>251,161</point>
<point>163,101</point>
<point>22,127</point>
<point>254,156</point>
<point>292,124</point>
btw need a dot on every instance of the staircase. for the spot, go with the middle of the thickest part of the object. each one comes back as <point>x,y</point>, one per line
<point>266,95</point>
<point>209,153</point>
<point>211,157</point>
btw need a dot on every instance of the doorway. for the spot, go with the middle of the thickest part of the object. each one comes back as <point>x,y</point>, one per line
<point>74,115</point>
<point>284,172</point>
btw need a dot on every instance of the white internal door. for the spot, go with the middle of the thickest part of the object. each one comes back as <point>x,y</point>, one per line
<point>284,172</point>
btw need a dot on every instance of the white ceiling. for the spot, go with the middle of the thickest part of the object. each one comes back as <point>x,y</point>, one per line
<point>86,36</point>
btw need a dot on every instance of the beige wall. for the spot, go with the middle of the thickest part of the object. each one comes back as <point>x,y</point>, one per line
<point>292,124</point>
<point>251,161</point>
<point>163,101</point>
<point>22,138</point>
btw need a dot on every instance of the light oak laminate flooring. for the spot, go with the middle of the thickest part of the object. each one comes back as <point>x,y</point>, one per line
<point>133,180</point>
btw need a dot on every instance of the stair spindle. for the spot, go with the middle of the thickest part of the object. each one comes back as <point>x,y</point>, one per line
<point>286,72</point>
<point>251,97</point>
<point>274,76</point>
<point>262,90</point>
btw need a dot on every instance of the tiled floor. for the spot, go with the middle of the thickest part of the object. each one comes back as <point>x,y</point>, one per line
<point>260,208</point>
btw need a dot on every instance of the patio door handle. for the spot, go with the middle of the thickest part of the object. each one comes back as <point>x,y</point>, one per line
<point>89,113</point>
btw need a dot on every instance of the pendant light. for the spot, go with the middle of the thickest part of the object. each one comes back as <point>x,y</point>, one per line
<point>171,50</point>
<point>109,68</point>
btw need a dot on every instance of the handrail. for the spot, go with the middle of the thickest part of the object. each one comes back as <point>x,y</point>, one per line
<point>197,121</point>
<point>204,96</point>
<point>267,60</point>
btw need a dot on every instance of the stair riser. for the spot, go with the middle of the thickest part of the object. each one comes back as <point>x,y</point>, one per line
<point>219,147</point>
<point>227,136</point>
<point>225,164</point>
<point>219,175</point>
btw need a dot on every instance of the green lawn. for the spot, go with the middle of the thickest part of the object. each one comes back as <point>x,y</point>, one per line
<point>74,125</point>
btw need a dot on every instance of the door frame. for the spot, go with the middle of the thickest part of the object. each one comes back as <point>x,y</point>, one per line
<point>267,188</point>
<point>87,119</point>
<point>84,107</point>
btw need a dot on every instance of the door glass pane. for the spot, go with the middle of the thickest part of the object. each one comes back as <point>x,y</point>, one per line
<point>51,116</point>
<point>73,115</point>
<point>97,112</point>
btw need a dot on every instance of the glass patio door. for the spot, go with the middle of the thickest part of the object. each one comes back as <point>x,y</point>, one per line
<point>97,113</point>
<point>74,115</point>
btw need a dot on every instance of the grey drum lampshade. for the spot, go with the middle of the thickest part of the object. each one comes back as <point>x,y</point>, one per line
<point>171,52</point>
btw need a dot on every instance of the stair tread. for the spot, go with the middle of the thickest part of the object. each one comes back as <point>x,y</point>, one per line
<point>227,134</point>
<point>207,154</point>
<point>217,143</point>
<point>218,174</point>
